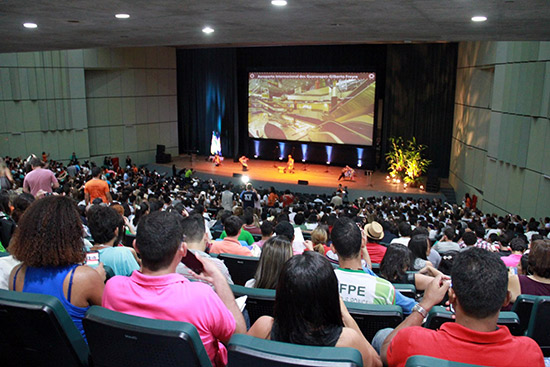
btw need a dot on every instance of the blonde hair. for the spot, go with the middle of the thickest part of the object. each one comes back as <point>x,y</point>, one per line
<point>319,236</point>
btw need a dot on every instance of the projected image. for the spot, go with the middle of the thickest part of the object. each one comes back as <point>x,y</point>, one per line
<point>335,108</point>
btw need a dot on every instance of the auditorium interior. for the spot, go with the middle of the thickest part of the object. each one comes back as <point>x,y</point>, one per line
<point>477,94</point>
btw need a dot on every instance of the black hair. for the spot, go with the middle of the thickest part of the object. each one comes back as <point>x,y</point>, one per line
<point>267,228</point>
<point>480,282</point>
<point>232,225</point>
<point>346,238</point>
<point>469,238</point>
<point>141,210</point>
<point>404,229</point>
<point>158,238</point>
<point>418,246</point>
<point>96,171</point>
<point>307,302</point>
<point>102,222</point>
<point>299,219</point>
<point>285,229</point>
<point>193,228</point>
<point>517,244</point>
<point>395,263</point>
<point>450,233</point>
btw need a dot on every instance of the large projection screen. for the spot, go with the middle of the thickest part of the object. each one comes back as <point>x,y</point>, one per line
<point>333,108</point>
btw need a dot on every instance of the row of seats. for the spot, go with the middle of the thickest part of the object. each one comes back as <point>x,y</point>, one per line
<point>36,330</point>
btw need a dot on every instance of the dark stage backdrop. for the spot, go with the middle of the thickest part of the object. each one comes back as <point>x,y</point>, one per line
<point>415,82</point>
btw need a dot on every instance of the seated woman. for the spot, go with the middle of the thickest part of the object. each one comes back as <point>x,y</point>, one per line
<point>48,242</point>
<point>419,247</point>
<point>275,252</point>
<point>319,238</point>
<point>308,310</point>
<point>538,283</point>
<point>107,228</point>
<point>396,263</point>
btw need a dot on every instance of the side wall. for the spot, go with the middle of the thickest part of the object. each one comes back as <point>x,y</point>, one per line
<point>501,134</point>
<point>95,102</point>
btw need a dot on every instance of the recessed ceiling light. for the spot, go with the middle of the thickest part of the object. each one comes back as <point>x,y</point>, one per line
<point>479,18</point>
<point>30,25</point>
<point>278,2</point>
<point>122,16</point>
<point>208,30</point>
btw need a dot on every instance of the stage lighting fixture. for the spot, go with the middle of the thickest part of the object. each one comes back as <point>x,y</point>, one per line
<point>421,187</point>
<point>255,156</point>
<point>280,158</point>
<point>328,162</point>
<point>245,179</point>
<point>359,163</point>
<point>303,160</point>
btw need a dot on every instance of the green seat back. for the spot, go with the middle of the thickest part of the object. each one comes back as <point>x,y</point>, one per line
<point>539,324</point>
<point>241,268</point>
<point>117,339</point>
<point>36,330</point>
<point>408,290</point>
<point>438,315</point>
<point>245,350</point>
<point>523,307</point>
<point>259,301</point>
<point>371,318</point>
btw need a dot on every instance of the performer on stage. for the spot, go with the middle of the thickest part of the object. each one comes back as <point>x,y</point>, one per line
<point>290,164</point>
<point>217,160</point>
<point>244,162</point>
<point>347,172</point>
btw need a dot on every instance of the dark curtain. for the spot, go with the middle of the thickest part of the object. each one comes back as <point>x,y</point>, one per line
<point>419,102</point>
<point>207,99</point>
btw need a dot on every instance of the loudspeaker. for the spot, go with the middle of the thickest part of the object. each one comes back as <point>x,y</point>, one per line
<point>161,149</point>
<point>239,175</point>
<point>303,182</point>
<point>163,158</point>
<point>432,184</point>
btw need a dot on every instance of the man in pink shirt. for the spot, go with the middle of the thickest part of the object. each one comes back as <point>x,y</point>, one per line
<point>39,179</point>
<point>231,244</point>
<point>518,247</point>
<point>158,292</point>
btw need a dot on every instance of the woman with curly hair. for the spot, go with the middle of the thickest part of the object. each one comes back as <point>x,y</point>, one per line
<point>48,242</point>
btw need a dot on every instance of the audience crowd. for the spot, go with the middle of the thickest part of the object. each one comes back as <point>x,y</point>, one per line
<point>324,248</point>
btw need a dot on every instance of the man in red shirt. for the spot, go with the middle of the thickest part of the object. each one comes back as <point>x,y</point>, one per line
<point>478,291</point>
<point>375,233</point>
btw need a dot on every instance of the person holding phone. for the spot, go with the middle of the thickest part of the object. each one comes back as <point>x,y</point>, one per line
<point>195,239</point>
<point>48,242</point>
<point>158,292</point>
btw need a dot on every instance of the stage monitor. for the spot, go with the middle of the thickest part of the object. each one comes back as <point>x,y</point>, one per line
<point>332,108</point>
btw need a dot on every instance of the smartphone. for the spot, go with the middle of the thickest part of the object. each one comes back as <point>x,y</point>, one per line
<point>191,261</point>
<point>92,259</point>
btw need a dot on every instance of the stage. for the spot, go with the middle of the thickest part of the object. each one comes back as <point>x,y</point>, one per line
<point>321,179</point>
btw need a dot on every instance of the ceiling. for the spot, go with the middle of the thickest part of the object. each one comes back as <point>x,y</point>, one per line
<point>69,24</point>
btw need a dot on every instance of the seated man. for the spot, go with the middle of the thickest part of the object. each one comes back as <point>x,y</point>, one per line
<point>231,244</point>
<point>158,292</point>
<point>353,283</point>
<point>479,290</point>
<point>195,239</point>
<point>107,228</point>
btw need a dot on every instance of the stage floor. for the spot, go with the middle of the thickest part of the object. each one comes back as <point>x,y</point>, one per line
<point>321,178</point>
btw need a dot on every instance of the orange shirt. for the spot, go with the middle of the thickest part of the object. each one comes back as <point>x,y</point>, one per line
<point>97,189</point>
<point>229,246</point>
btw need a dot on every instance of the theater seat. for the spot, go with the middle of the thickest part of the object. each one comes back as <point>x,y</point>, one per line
<point>245,350</point>
<point>259,301</point>
<point>36,330</point>
<point>408,290</point>
<point>438,315</point>
<point>539,324</point>
<point>241,268</point>
<point>424,361</point>
<point>371,318</point>
<point>523,307</point>
<point>117,340</point>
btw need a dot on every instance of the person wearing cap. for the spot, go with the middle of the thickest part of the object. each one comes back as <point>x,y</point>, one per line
<point>375,233</point>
